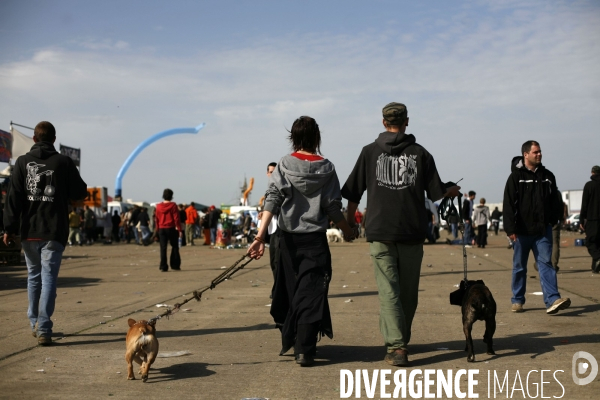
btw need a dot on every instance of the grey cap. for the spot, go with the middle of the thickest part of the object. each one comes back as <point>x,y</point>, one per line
<point>595,169</point>
<point>395,113</point>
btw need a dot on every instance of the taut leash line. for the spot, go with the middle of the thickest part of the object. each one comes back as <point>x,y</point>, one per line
<point>446,207</point>
<point>197,294</point>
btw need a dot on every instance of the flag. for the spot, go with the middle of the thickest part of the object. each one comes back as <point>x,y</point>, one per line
<point>21,144</point>
<point>5,146</point>
<point>74,154</point>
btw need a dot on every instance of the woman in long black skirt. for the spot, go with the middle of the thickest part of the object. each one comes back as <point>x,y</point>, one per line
<point>304,191</point>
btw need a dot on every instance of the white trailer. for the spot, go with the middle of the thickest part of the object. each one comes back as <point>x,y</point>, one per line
<point>572,199</point>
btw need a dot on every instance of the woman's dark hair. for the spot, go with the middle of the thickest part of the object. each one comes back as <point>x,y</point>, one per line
<point>168,194</point>
<point>305,135</point>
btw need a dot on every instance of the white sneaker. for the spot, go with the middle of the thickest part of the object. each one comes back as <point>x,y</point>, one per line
<point>559,304</point>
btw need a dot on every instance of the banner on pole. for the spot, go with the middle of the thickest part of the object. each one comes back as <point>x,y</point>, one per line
<point>5,146</point>
<point>21,144</point>
<point>74,154</point>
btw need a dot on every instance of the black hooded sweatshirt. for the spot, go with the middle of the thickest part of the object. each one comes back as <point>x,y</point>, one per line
<point>396,172</point>
<point>531,200</point>
<point>42,183</point>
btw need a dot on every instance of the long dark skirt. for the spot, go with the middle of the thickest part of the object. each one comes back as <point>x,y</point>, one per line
<point>301,287</point>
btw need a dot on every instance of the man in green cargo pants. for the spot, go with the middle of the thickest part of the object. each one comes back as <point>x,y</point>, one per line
<point>395,172</point>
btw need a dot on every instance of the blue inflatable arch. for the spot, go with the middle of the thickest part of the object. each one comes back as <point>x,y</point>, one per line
<point>142,146</point>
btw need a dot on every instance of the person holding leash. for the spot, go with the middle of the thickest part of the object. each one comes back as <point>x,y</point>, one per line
<point>304,191</point>
<point>395,172</point>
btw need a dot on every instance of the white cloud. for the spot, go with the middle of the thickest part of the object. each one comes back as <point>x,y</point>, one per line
<point>475,91</point>
<point>106,44</point>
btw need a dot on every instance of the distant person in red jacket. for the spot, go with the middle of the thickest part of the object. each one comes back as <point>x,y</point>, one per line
<point>191,220</point>
<point>168,225</point>
<point>358,217</point>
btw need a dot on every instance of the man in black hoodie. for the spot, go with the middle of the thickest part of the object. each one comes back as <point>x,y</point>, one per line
<point>396,172</point>
<point>589,217</point>
<point>531,207</point>
<point>43,181</point>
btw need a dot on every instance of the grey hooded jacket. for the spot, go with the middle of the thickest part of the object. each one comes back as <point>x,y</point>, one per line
<point>304,194</point>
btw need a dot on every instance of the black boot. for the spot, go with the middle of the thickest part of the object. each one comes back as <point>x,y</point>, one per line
<point>306,344</point>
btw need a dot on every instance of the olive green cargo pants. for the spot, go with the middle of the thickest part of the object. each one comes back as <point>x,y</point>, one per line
<point>397,272</point>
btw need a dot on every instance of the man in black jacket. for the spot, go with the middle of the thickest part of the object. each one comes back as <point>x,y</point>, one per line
<point>43,181</point>
<point>531,208</point>
<point>589,217</point>
<point>396,172</point>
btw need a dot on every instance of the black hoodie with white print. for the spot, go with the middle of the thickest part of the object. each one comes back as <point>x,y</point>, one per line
<point>42,183</point>
<point>396,172</point>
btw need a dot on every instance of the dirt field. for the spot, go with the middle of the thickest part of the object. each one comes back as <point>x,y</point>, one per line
<point>233,344</point>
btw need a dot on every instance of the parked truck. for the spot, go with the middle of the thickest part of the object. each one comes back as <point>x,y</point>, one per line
<point>96,199</point>
<point>572,199</point>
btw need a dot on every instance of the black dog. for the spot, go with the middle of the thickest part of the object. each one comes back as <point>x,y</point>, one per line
<point>478,304</point>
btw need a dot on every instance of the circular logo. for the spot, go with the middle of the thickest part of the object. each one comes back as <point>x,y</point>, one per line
<point>49,190</point>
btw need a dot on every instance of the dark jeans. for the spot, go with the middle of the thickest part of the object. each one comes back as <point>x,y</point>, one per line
<point>469,235</point>
<point>556,244</point>
<point>89,234</point>
<point>481,235</point>
<point>592,239</point>
<point>115,233</point>
<point>169,235</point>
<point>496,225</point>
<point>454,228</point>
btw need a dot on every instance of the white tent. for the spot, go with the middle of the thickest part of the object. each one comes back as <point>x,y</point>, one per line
<point>5,173</point>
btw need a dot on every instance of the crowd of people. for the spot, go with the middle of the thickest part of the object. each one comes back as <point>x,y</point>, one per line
<point>303,198</point>
<point>136,225</point>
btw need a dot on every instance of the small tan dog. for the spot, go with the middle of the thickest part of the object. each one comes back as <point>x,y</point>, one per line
<point>142,347</point>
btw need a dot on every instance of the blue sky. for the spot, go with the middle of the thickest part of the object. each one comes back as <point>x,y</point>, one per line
<point>479,78</point>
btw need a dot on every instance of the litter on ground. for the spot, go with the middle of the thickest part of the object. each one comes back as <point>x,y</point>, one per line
<point>173,354</point>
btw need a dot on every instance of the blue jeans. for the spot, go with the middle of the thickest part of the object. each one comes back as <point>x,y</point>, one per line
<point>43,262</point>
<point>454,227</point>
<point>213,235</point>
<point>136,234</point>
<point>469,234</point>
<point>145,232</point>
<point>542,251</point>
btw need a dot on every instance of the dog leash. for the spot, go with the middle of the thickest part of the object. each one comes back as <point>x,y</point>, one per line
<point>197,294</point>
<point>446,208</point>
